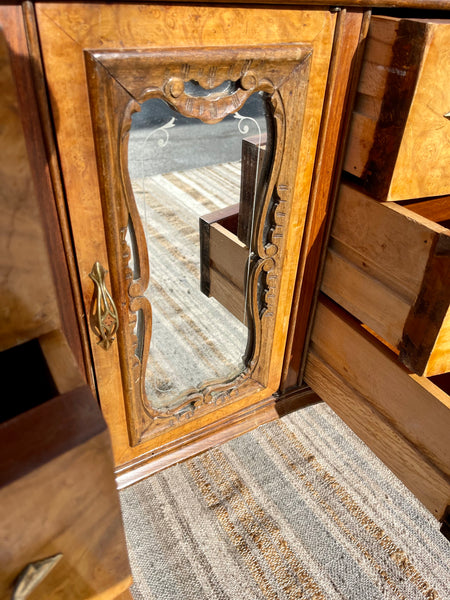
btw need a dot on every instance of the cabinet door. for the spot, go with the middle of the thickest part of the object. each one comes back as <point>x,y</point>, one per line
<point>127,81</point>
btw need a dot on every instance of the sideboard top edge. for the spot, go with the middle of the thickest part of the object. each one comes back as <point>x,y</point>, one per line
<point>441,5</point>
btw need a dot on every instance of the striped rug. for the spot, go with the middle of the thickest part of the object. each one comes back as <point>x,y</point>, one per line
<point>299,508</point>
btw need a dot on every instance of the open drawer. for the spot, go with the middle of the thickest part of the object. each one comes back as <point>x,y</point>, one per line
<point>398,143</point>
<point>62,532</point>
<point>223,258</point>
<point>389,266</point>
<point>225,235</point>
<point>403,418</point>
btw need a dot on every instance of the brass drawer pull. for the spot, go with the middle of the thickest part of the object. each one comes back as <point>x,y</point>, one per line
<point>104,317</point>
<point>32,575</point>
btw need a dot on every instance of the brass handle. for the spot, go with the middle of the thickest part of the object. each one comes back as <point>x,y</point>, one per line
<point>32,575</point>
<point>104,317</point>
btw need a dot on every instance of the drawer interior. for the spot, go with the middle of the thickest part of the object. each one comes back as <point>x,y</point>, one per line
<point>389,266</point>
<point>403,417</point>
<point>27,392</point>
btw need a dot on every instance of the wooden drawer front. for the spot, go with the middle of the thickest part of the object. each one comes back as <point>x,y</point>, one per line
<point>399,137</point>
<point>404,418</point>
<point>390,268</point>
<point>223,258</point>
<point>57,488</point>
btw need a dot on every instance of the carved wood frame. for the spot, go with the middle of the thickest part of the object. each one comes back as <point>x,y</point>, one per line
<point>119,81</point>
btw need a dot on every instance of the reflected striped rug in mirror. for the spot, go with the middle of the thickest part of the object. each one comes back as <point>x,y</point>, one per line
<point>194,339</point>
<point>298,508</point>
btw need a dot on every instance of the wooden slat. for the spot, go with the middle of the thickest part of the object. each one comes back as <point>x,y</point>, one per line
<point>390,268</point>
<point>362,129</point>
<point>373,78</point>
<point>426,482</point>
<point>375,304</point>
<point>414,405</point>
<point>392,242</point>
<point>435,209</point>
<point>405,419</point>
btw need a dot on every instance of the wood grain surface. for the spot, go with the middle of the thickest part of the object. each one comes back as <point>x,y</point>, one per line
<point>58,495</point>
<point>351,29</point>
<point>66,30</point>
<point>440,5</point>
<point>390,268</point>
<point>398,144</point>
<point>28,298</point>
<point>22,63</point>
<point>46,162</point>
<point>435,209</point>
<point>403,418</point>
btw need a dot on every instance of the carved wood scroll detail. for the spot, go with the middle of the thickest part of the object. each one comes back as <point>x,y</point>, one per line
<point>119,81</point>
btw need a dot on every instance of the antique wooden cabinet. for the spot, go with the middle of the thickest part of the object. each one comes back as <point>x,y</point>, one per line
<point>102,64</point>
<point>145,108</point>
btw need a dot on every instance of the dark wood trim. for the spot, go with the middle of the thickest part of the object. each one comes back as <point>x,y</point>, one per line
<point>436,209</point>
<point>346,117</point>
<point>341,90</point>
<point>295,399</point>
<point>213,435</point>
<point>429,311</point>
<point>410,4</point>
<point>407,55</point>
<point>225,216</point>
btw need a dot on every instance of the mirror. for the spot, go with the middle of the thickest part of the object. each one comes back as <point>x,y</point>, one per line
<point>183,172</point>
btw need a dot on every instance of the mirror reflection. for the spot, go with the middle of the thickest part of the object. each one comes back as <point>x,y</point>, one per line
<point>185,172</point>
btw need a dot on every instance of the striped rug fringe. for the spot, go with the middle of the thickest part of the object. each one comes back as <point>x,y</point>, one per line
<point>299,508</point>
